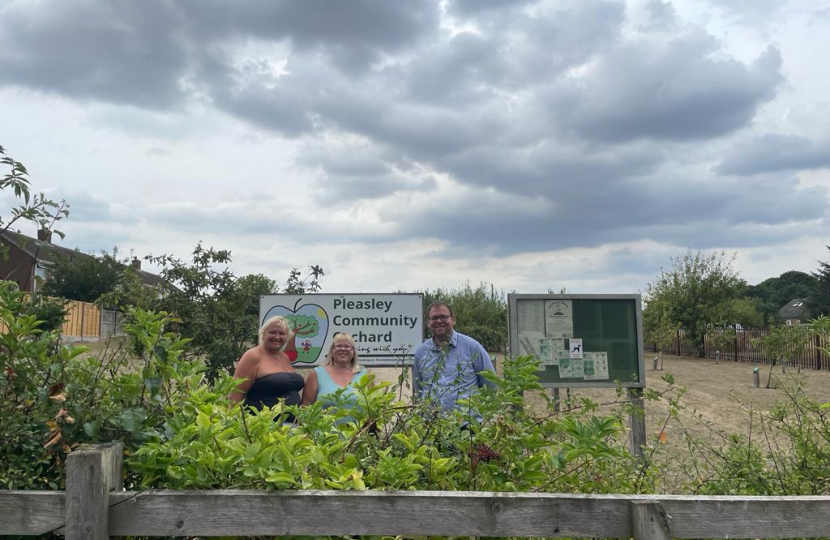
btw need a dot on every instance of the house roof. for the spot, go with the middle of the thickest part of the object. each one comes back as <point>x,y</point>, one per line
<point>50,253</point>
<point>36,249</point>
<point>794,309</point>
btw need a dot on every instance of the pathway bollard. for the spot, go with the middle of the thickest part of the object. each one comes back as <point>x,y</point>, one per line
<point>756,375</point>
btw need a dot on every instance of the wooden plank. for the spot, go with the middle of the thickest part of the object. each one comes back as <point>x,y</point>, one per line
<point>752,517</point>
<point>31,513</point>
<point>225,512</point>
<point>367,513</point>
<point>649,521</point>
<point>91,472</point>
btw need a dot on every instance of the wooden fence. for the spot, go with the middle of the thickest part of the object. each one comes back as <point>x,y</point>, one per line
<point>94,507</point>
<point>82,320</point>
<point>744,349</point>
<point>86,320</point>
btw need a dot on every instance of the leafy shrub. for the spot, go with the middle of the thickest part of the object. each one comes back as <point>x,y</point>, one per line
<point>51,312</point>
<point>391,445</point>
<point>53,397</point>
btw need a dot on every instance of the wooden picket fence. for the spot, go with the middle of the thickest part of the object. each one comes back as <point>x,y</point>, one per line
<point>94,507</point>
<point>744,348</point>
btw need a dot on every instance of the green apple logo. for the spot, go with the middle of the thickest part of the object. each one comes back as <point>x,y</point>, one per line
<point>310,324</point>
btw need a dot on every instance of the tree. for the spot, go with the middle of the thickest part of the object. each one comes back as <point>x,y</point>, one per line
<point>820,299</point>
<point>35,208</point>
<point>698,292</point>
<point>659,330</point>
<point>784,342</point>
<point>217,311</point>
<point>84,277</point>
<point>774,292</point>
<point>130,291</point>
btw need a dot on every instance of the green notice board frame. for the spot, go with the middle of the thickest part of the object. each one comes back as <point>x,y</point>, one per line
<point>611,324</point>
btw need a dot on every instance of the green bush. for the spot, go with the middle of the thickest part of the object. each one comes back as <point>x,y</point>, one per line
<point>391,445</point>
<point>54,397</point>
<point>50,311</point>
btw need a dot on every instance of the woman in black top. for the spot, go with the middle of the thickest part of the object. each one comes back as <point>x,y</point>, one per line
<point>266,374</point>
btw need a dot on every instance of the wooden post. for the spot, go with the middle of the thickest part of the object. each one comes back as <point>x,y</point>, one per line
<point>91,473</point>
<point>637,421</point>
<point>649,521</point>
<point>818,353</point>
<point>678,343</point>
<point>82,320</point>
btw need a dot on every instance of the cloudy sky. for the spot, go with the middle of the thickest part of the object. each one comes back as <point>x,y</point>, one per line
<point>403,145</point>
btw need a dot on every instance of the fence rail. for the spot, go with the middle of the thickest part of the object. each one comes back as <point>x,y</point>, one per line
<point>744,349</point>
<point>92,507</point>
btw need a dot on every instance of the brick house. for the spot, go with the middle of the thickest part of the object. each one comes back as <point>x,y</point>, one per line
<point>30,258</point>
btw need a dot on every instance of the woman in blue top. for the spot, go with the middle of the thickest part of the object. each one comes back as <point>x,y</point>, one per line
<point>339,371</point>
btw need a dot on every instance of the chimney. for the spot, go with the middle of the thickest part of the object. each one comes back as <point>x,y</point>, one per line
<point>44,235</point>
<point>136,263</point>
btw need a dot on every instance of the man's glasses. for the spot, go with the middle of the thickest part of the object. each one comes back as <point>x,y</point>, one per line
<point>442,318</point>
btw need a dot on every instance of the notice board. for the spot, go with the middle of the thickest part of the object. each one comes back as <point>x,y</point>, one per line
<point>582,340</point>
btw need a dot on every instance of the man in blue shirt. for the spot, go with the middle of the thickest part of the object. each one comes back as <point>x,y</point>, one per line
<point>448,366</point>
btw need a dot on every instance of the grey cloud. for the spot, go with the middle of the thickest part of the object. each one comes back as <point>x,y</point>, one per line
<point>552,169</point>
<point>514,53</point>
<point>249,217</point>
<point>356,31</point>
<point>473,7</point>
<point>122,52</point>
<point>673,90</point>
<point>358,169</point>
<point>772,152</point>
<point>88,209</point>
<point>147,54</point>
<point>97,237</point>
<point>662,15</point>
<point>677,210</point>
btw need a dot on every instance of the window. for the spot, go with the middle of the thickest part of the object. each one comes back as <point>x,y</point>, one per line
<point>40,276</point>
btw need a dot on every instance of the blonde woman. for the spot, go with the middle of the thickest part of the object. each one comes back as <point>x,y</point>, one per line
<point>340,370</point>
<point>266,372</point>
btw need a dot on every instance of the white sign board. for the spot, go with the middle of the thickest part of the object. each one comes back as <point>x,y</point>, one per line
<point>386,327</point>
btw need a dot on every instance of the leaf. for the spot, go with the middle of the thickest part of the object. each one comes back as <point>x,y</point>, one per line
<point>53,440</point>
<point>203,420</point>
<point>281,478</point>
<point>153,384</point>
<point>91,428</point>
